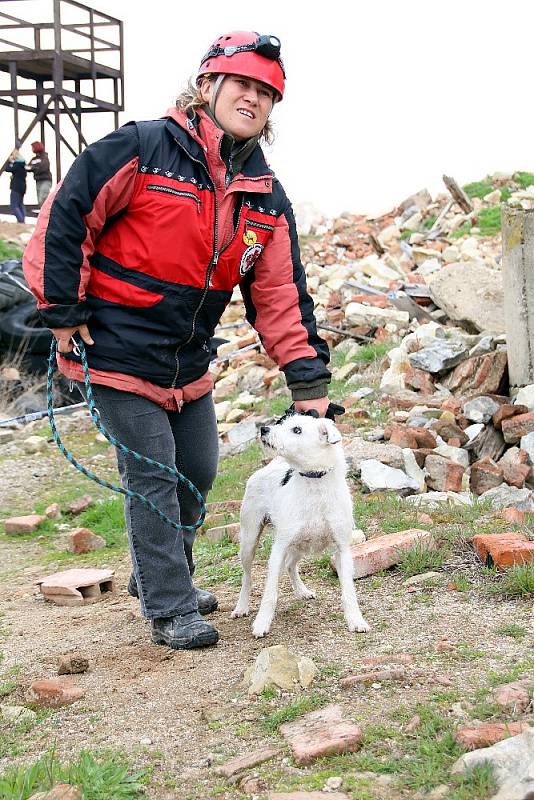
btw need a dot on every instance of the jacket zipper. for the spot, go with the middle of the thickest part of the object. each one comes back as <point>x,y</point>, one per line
<point>211,265</point>
<point>156,187</point>
<point>262,225</point>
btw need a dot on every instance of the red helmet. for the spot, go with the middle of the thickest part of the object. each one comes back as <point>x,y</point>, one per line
<point>248,54</point>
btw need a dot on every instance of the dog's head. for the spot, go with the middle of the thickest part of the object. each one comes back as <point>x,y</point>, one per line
<point>306,442</point>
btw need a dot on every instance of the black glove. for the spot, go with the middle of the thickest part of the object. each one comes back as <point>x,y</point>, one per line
<point>332,411</point>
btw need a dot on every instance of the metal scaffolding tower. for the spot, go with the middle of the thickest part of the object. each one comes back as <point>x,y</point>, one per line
<point>60,70</point>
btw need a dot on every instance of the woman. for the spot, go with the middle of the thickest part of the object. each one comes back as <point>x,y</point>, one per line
<point>17,185</point>
<point>138,252</point>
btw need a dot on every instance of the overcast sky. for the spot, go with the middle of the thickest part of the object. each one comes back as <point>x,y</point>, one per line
<point>382,97</point>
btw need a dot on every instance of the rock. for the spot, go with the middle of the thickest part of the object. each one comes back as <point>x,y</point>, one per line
<point>512,762</point>
<point>485,475</point>
<point>357,314</point>
<point>516,474</point>
<point>489,443</point>
<point>278,666</point>
<point>345,372</point>
<point>252,785</point>
<point>413,724</point>
<point>512,515</point>
<point>456,454</point>
<point>62,791</point>
<point>527,445</point>
<point>72,664</point>
<point>416,580</point>
<point>222,409</point>
<point>480,409</point>
<point>413,470</point>
<point>515,455</point>
<point>321,733</point>
<point>34,444</point>
<point>26,524</point>
<point>525,397</point>
<point>247,761</point>
<point>439,356</point>
<point>242,434</point>
<point>470,293</point>
<point>53,511</point>
<point>443,475</point>
<point>506,411</point>
<point>83,540</point>
<point>485,345</point>
<point>401,436</point>
<point>79,505</point>
<point>385,551</point>
<point>388,658</point>
<point>437,499</point>
<point>77,587</point>
<point>376,476</point>
<point>488,733</point>
<point>17,714</point>
<point>358,450</point>
<point>374,677</point>
<point>448,429</point>
<point>333,784</point>
<point>505,496</point>
<point>513,697</point>
<point>6,436</point>
<point>478,375</point>
<point>231,532</point>
<point>517,427</point>
<point>53,693</point>
<point>503,550</point>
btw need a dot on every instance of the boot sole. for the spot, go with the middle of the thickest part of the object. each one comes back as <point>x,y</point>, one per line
<point>203,640</point>
<point>204,610</point>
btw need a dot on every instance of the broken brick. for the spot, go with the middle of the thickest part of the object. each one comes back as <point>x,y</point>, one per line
<point>230,531</point>
<point>503,549</point>
<point>321,733</point>
<point>53,693</point>
<point>83,540</point>
<point>384,551</point>
<point>372,677</point>
<point>449,430</point>
<point>443,475</point>
<point>516,427</point>
<point>402,437</point>
<point>513,515</point>
<point>516,474</point>
<point>488,733</point>
<point>77,587</point>
<point>485,474</point>
<point>79,505</point>
<point>425,438</point>
<point>26,524</point>
<point>507,411</point>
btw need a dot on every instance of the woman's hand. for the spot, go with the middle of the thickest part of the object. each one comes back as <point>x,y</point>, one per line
<point>320,405</point>
<point>63,337</point>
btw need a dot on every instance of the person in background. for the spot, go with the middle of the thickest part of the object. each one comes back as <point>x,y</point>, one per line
<point>40,166</point>
<point>17,168</point>
<point>138,252</point>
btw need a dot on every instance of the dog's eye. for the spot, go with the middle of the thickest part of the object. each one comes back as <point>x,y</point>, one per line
<point>296,429</point>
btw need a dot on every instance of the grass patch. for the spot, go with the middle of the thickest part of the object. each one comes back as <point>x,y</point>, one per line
<point>518,581</point>
<point>302,705</point>
<point>478,189</point>
<point>233,474</point>
<point>421,558</point>
<point>8,250</point>
<point>489,221</point>
<point>107,776</point>
<point>475,784</point>
<point>463,230</point>
<point>217,562</point>
<point>512,630</point>
<point>524,179</point>
<point>106,519</point>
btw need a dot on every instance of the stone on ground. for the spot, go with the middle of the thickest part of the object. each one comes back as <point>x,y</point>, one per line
<point>505,496</point>
<point>376,476</point>
<point>83,540</point>
<point>54,693</point>
<point>278,666</point>
<point>385,551</point>
<point>247,761</point>
<point>488,733</point>
<point>77,587</point>
<point>470,292</point>
<point>26,524</point>
<point>16,714</point>
<point>321,733</point>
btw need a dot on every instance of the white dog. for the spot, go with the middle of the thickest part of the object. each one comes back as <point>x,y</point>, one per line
<point>303,492</point>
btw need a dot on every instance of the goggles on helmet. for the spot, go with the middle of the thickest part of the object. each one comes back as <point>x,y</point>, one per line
<point>267,46</point>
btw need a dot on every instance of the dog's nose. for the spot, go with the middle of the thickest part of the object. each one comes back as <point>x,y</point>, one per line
<point>264,430</point>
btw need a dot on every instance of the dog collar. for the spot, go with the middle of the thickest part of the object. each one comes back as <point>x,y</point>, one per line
<point>311,474</point>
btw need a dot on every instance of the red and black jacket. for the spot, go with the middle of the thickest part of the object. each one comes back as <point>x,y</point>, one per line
<point>128,243</point>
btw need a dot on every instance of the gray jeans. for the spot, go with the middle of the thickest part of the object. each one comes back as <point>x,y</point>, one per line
<point>43,189</point>
<point>162,557</point>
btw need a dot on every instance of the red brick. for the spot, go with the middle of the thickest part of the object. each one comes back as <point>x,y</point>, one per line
<point>79,505</point>
<point>478,375</point>
<point>503,549</point>
<point>53,693</point>
<point>83,540</point>
<point>449,430</point>
<point>420,380</point>
<point>443,475</point>
<point>453,404</point>
<point>53,511</point>
<point>247,761</point>
<point>321,733</point>
<point>385,551</point>
<point>77,587</point>
<point>403,437</point>
<point>507,411</point>
<point>515,474</point>
<point>488,733</point>
<point>516,427</point>
<point>485,474</point>
<point>216,534</point>
<point>512,697</point>
<point>376,300</point>
<point>25,524</point>
<point>513,515</point>
<point>425,438</point>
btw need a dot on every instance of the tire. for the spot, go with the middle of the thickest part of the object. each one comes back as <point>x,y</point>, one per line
<point>10,293</point>
<point>21,331</point>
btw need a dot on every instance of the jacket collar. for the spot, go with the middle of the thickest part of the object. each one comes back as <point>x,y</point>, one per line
<point>185,132</point>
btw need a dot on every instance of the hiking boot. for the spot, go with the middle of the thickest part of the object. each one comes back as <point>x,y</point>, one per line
<point>184,631</point>
<point>207,602</point>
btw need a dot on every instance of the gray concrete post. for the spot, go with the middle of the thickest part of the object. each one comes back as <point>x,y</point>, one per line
<point>518,284</point>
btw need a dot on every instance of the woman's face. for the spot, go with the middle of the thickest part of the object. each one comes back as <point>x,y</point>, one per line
<point>242,107</point>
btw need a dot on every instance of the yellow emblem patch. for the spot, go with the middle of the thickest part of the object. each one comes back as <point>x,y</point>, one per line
<point>250,238</point>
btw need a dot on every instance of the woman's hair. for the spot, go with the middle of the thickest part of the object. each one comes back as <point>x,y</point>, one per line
<point>16,154</point>
<point>191,99</point>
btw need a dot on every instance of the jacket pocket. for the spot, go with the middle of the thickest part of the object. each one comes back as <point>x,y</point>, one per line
<point>172,192</point>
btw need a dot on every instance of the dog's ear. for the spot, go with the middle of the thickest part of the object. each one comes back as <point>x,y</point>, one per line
<point>328,433</point>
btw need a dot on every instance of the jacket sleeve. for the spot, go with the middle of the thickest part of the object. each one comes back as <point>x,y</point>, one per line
<point>56,261</point>
<point>280,308</point>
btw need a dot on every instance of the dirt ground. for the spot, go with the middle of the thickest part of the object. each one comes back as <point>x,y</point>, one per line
<point>183,713</point>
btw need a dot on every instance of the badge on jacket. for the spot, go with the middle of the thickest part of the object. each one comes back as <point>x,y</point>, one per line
<point>250,238</point>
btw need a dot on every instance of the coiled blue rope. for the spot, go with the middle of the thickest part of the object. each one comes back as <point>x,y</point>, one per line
<point>94,416</point>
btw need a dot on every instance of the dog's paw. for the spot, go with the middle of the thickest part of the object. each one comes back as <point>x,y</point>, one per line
<point>305,594</point>
<point>358,625</point>
<point>240,611</point>
<point>260,628</point>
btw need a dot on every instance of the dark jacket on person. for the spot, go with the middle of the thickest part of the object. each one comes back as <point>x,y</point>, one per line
<point>130,244</point>
<point>17,169</point>
<point>40,166</point>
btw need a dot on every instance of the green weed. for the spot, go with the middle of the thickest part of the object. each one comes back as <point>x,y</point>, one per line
<point>271,722</point>
<point>524,179</point>
<point>478,189</point>
<point>476,784</point>
<point>518,581</point>
<point>515,631</point>
<point>107,520</point>
<point>216,562</point>
<point>9,250</point>
<point>420,558</point>
<point>489,220</point>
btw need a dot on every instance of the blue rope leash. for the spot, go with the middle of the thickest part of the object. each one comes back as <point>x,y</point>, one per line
<point>95,417</point>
